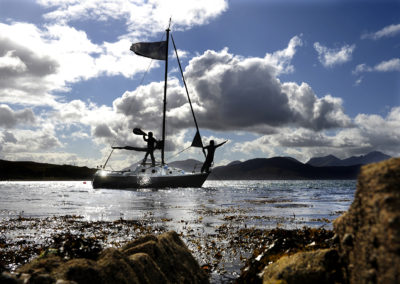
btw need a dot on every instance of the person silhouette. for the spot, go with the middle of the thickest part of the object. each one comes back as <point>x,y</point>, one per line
<point>151,141</point>
<point>210,155</point>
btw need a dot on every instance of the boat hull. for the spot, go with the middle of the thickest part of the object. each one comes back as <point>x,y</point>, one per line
<point>134,182</point>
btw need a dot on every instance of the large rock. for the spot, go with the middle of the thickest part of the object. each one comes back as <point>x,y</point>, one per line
<point>162,259</point>
<point>320,266</point>
<point>369,232</point>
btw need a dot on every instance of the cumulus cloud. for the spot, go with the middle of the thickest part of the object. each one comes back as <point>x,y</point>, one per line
<point>388,31</point>
<point>368,133</point>
<point>28,141</point>
<point>102,130</point>
<point>234,93</point>
<point>10,118</point>
<point>34,63</point>
<point>37,61</point>
<point>384,66</point>
<point>142,17</point>
<point>330,57</point>
<point>8,137</point>
<point>24,74</point>
<point>11,62</point>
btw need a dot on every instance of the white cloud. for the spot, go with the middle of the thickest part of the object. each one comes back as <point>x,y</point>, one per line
<point>30,141</point>
<point>330,57</point>
<point>37,61</point>
<point>369,133</point>
<point>391,65</point>
<point>143,18</point>
<point>56,57</point>
<point>234,93</point>
<point>387,66</point>
<point>281,59</point>
<point>388,31</point>
<point>358,81</point>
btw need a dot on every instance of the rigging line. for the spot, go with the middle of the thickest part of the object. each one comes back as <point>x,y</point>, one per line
<point>173,156</point>
<point>187,92</point>
<point>109,156</point>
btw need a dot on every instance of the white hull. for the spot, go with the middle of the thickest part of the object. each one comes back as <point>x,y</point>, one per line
<point>148,177</point>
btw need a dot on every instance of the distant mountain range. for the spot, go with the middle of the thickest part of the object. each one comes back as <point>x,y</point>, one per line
<point>281,168</point>
<point>328,167</point>
<point>332,161</point>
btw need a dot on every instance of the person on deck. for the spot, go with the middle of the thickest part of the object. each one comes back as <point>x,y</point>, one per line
<point>210,155</point>
<point>151,142</point>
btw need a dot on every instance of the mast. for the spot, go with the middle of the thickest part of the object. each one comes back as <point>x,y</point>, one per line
<point>165,96</point>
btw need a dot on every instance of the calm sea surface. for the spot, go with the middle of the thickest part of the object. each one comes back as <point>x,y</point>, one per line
<point>289,203</point>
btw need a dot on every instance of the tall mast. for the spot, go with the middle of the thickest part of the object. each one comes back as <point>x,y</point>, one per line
<point>165,98</point>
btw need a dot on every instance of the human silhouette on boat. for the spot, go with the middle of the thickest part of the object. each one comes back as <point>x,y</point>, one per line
<point>151,145</point>
<point>210,155</point>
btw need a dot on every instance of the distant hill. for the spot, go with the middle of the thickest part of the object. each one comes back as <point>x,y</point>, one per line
<point>328,167</point>
<point>39,171</point>
<point>331,160</point>
<point>324,161</point>
<point>234,163</point>
<point>281,168</point>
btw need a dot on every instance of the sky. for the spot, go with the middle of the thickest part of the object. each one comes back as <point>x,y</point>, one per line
<point>274,78</point>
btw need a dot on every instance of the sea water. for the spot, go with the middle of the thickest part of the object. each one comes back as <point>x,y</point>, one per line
<point>311,203</point>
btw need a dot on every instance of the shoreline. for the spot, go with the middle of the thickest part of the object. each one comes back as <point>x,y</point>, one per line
<point>222,252</point>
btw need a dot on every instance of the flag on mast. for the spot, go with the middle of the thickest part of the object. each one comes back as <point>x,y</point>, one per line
<point>155,50</point>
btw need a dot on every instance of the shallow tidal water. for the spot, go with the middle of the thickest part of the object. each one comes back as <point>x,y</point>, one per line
<point>204,214</point>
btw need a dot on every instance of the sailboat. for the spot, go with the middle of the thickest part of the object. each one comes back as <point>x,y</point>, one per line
<point>149,175</point>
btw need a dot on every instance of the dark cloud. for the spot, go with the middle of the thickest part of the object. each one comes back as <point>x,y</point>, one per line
<point>8,137</point>
<point>47,141</point>
<point>22,72</point>
<point>36,66</point>
<point>10,118</point>
<point>234,93</point>
<point>239,94</point>
<point>102,130</point>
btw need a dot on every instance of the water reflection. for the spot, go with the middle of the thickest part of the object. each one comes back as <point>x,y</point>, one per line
<point>261,203</point>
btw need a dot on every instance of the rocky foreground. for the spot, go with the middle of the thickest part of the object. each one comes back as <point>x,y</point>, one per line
<point>363,248</point>
<point>366,245</point>
<point>150,259</point>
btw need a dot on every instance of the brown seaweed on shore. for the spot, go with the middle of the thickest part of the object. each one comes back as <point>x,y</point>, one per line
<point>220,253</point>
<point>65,236</point>
<point>277,243</point>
